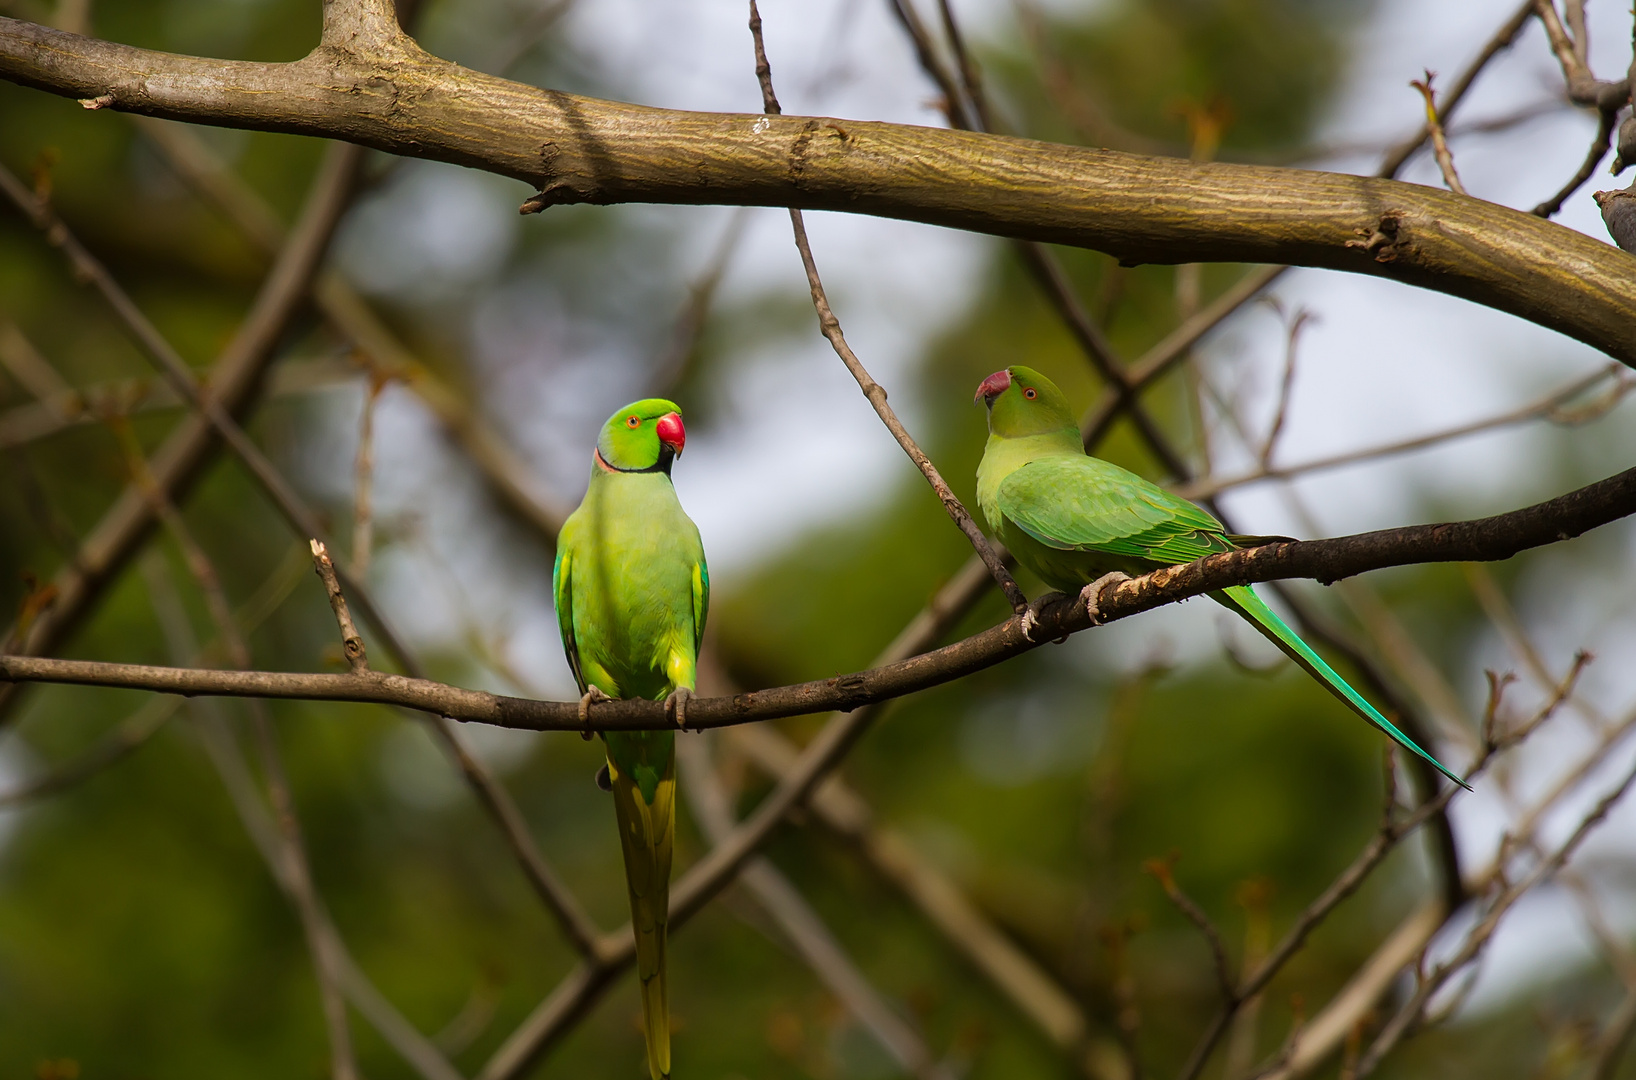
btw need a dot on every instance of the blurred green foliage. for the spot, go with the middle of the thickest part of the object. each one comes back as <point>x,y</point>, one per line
<point>140,935</point>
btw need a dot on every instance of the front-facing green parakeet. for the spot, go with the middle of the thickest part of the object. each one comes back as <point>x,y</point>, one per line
<point>632,591</point>
<point>1072,519</point>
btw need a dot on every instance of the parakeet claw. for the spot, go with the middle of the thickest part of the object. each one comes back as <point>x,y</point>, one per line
<point>676,706</point>
<point>1092,593</point>
<point>593,696</point>
<point>1031,615</point>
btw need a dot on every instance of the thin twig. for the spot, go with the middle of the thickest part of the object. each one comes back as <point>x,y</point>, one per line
<point>352,644</point>
<point>1294,324</point>
<point>1584,88</point>
<point>353,317</point>
<point>1162,871</point>
<point>672,366</point>
<point>37,420</point>
<point>1614,1036</point>
<point>1478,938</point>
<point>1552,407</point>
<point>830,327</point>
<point>225,755</point>
<point>1498,43</point>
<point>126,737</point>
<point>1607,119</point>
<point>1440,145</point>
<point>363,473</point>
<point>842,810</point>
<point>304,894</point>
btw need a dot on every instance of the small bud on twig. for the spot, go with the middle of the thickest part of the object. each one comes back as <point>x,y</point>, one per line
<point>351,644</point>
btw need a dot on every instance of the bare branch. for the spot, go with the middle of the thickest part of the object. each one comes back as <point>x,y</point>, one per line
<point>388,358</point>
<point>1161,870</point>
<point>1613,1038</point>
<point>292,853</point>
<point>1440,145</point>
<point>37,420</point>
<point>352,645</point>
<point>31,370</point>
<point>1552,407</point>
<point>178,460</point>
<point>1294,324</point>
<point>1593,157</point>
<point>830,327</point>
<point>1502,39</point>
<point>1482,539</point>
<point>1035,993</point>
<point>126,737</point>
<point>1475,941</point>
<point>1138,209</point>
<point>672,365</point>
<point>1317,1040</point>
<point>1584,88</point>
<point>362,26</point>
<point>363,474</point>
<point>1175,347</point>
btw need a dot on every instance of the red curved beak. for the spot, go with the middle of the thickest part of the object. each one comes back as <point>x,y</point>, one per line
<point>671,432</point>
<point>992,387</point>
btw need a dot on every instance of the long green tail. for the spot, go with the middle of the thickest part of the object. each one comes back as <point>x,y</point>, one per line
<point>1242,599</point>
<point>647,831</point>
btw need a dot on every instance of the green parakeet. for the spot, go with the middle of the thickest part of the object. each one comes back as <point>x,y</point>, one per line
<point>632,591</point>
<point>1073,519</point>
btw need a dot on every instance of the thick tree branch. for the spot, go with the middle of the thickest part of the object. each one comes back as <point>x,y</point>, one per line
<point>582,150</point>
<point>1479,540</point>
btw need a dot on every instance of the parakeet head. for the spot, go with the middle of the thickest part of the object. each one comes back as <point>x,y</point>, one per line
<point>644,436</point>
<point>1022,402</point>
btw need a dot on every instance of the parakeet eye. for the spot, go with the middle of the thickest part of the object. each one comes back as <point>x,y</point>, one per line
<point>1030,393</point>
<point>633,421</point>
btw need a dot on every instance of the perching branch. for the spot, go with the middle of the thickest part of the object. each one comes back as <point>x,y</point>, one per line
<point>1478,540</point>
<point>396,97</point>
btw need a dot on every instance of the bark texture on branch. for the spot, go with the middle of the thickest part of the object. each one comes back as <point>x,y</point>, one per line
<point>394,96</point>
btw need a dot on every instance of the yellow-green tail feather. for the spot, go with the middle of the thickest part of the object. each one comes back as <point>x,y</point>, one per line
<point>646,832</point>
<point>1242,599</point>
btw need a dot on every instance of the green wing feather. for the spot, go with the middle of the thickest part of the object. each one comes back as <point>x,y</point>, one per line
<point>701,602</point>
<point>562,594</point>
<point>1078,503</point>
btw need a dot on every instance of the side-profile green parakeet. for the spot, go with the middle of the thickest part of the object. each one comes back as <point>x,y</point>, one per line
<point>1074,519</point>
<point>632,591</point>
